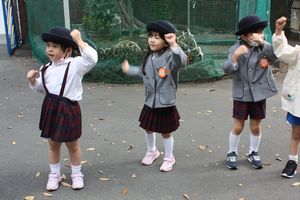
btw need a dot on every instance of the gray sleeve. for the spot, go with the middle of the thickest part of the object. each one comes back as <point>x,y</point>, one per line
<point>134,71</point>
<point>228,67</point>
<point>268,51</point>
<point>179,58</point>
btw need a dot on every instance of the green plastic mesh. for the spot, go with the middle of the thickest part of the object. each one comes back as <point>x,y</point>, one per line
<point>116,29</point>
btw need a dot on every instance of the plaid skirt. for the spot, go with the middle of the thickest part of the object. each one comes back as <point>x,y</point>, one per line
<point>60,119</point>
<point>160,120</point>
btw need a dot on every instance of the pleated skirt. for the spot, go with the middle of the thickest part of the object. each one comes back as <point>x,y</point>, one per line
<point>60,119</point>
<point>160,120</point>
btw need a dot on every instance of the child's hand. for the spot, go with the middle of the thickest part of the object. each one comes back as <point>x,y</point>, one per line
<point>171,39</point>
<point>238,52</point>
<point>125,66</point>
<point>32,75</point>
<point>75,34</point>
<point>259,38</point>
<point>280,24</point>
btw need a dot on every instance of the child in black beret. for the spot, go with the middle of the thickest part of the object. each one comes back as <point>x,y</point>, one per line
<point>60,81</point>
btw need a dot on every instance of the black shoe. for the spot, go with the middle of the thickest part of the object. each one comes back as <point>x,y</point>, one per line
<point>232,161</point>
<point>290,169</point>
<point>255,160</point>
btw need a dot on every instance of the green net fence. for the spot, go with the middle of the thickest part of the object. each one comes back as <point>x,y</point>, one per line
<point>116,29</point>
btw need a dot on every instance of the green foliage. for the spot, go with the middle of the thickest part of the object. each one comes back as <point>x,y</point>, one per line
<point>101,15</point>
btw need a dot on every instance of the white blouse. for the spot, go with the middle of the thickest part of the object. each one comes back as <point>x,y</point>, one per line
<point>290,95</point>
<point>55,73</point>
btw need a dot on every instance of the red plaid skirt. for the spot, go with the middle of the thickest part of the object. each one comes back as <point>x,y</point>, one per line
<point>60,119</point>
<point>160,120</point>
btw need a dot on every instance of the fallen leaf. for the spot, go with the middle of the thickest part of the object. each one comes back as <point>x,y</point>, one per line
<point>209,111</point>
<point>125,191</point>
<point>37,174</point>
<point>20,115</point>
<point>130,147</point>
<point>63,176</point>
<point>13,142</point>
<point>90,149</point>
<point>242,198</point>
<point>65,184</point>
<point>296,184</point>
<point>133,175</point>
<point>267,163</point>
<point>279,159</point>
<point>84,162</point>
<point>240,184</point>
<point>101,172</point>
<point>104,179</point>
<point>269,126</point>
<point>46,194</point>
<point>9,127</point>
<point>186,196</point>
<point>202,147</point>
<point>29,198</point>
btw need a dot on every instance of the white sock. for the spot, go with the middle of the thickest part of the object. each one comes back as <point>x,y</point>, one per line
<point>254,143</point>
<point>233,142</point>
<point>151,140</point>
<point>168,146</point>
<point>294,158</point>
<point>75,169</point>
<point>55,168</point>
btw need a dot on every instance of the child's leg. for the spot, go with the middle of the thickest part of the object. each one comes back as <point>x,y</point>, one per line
<point>75,157</point>
<point>290,168</point>
<point>74,152</point>
<point>234,135</point>
<point>152,152</point>
<point>54,157</point>
<point>150,140</point>
<point>169,159</point>
<point>168,144</point>
<point>255,136</point>
<point>294,143</point>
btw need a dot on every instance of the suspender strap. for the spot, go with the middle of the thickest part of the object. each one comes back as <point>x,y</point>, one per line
<point>43,74</point>
<point>64,81</point>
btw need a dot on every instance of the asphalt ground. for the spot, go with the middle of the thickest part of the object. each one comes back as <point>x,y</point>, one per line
<point>113,144</point>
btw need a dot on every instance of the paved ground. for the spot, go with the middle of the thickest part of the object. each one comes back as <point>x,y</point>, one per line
<point>110,126</point>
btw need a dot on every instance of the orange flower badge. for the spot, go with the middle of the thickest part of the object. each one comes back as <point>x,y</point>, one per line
<point>163,72</point>
<point>264,62</point>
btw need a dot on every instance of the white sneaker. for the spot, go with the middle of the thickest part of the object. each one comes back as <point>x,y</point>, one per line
<point>77,181</point>
<point>167,164</point>
<point>150,157</point>
<point>53,181</point>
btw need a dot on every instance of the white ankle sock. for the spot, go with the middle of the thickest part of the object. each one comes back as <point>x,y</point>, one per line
<point>168,146</point>
<point>294,158</point>
<point>233,142</point>
<point>55,168</point>
<point>150,140</point>
<point>254,143</point>
<point>75,169</point>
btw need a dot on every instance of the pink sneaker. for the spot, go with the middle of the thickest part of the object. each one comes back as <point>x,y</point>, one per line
<point>53,181</point>
<point>167,164</point>
<point>77,181</point>
<point>150,157</point>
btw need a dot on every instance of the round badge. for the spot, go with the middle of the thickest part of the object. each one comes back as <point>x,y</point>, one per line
<point>264,62</point>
